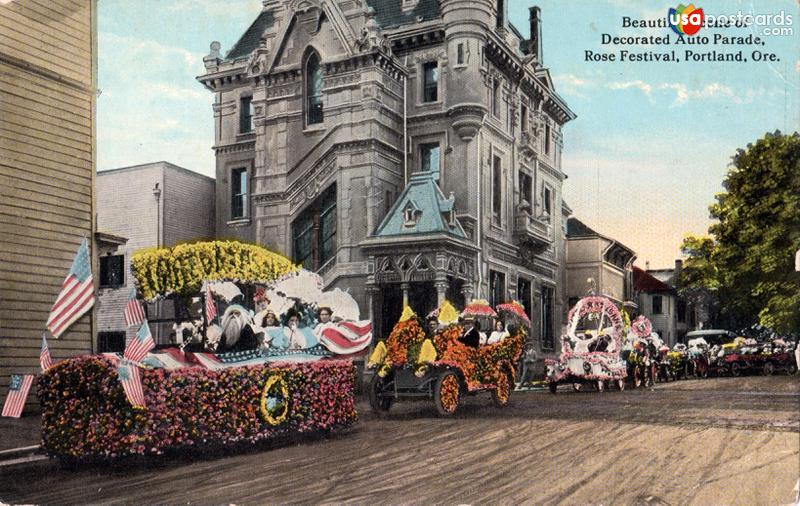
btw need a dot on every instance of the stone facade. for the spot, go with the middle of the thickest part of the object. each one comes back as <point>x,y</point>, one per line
<point>155,204</point>
<point>448,87</point>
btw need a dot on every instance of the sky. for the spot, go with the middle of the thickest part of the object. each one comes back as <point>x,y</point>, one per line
<point>645,156</point>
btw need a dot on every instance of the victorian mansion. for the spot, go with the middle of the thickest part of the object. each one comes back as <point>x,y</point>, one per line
<point>406,150</point>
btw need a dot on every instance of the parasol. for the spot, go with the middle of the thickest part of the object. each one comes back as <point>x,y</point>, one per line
<point>341,303</point>
<point>305,286</point>
<point>515,309</point>
<point>479,308</point>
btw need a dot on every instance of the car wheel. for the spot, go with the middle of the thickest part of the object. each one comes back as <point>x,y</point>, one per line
<point>553,386</point>
<point>447,393</point>
<point>736,369</point>
<point>377,401</point>
<point>502,394</point>
<point>769,369</point>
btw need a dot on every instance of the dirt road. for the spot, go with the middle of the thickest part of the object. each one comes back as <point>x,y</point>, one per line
<point>718,441</point>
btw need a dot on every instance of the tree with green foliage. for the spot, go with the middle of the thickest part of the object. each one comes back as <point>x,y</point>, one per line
<point>748,263</point>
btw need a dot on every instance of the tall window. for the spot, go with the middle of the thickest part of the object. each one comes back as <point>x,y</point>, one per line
<point>547,139</point>
<point>238,193</point>
<point>548,311</point>
<point>430,81</point>
<point>497,191</point>
<point>429,158</point>
<point>314,232</point>
<point>245,115</point>
<point>657,304</point>
<point>497,288</point>
<point>681,311</point>
<point>313,90</point>
<point>525,188</point>
<point>496,97</point>
<point>112,270</point>
<point>523,116</point>
<point>524,295</point>
<point>460,53</point>
<point>501,13</point>
<point>547,200</point>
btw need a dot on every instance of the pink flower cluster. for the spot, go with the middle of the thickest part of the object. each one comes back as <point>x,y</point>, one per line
<point>85,413</point>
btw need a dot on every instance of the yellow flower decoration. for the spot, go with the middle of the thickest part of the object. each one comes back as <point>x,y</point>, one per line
<point>447,313</point>
<point>378,355</point>
<point>427,353</point>
<point>408,313</point>
<point>267,412</point>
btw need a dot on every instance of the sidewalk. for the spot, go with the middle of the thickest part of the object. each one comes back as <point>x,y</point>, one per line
<point>20,432</point>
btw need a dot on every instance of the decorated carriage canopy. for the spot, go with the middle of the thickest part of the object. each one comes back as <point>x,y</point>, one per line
<point>593,324</point>
<point>292,318</point>
<point>410,346</point>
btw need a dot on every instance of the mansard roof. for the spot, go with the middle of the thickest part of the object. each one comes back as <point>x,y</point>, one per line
<point>429,206</point>
<point>389,13</point>
<point>249,41</point>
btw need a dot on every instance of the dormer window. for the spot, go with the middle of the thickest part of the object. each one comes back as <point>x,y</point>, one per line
<point>410,215</point>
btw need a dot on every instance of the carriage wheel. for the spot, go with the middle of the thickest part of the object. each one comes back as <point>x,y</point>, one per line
<point>553,387</point>
<point>769,369</point>
<point>791,368</point>
<point>736,369</point>
<point>378,402</point>
<point>601,385</point>
<point>502,394</point>
<point>621,384</point>
<point>637,378</point>
<point>446,393</point>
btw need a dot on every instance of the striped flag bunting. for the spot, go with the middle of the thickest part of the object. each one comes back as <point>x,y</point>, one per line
<point>211,308</point>
<point>44,355</point>
<point>76,296</point>
<point>345,338</point>
<point>134,314</point>
<point>137,348</point>
<point>131,378</point>
<point>17,394</point>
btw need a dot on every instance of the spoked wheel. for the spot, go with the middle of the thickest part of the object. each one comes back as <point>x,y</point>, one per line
<point>736,369</point>
<point>502,394</point>
<point>769,369</point>
<point>601,385</point>
<point>377,401</point>
<point>447,393</point>
<point>621,384</point>
<point>553,386</point>
<point>791,368</point>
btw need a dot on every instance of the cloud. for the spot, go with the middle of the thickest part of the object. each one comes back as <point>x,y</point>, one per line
<point>210,7</point>
<point>571,80</point>
<point>638,84</point>
<point>174,92</point>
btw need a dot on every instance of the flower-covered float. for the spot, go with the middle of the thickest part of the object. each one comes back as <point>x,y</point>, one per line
<point>443,361</point>
<point>640,352</point>
<point>237,377</point>
<point>590,349</point>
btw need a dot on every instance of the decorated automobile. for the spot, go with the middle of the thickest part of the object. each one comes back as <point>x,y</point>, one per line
<point>590,349</point>
<point>234,375</point>
<point>443,362</point>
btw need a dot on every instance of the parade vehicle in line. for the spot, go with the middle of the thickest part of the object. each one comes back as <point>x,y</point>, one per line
<point>590,349</point>
<point>438,366</point>
<point>747,356</point>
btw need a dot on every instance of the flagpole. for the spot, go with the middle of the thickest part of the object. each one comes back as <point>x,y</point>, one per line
<point>205,320</point>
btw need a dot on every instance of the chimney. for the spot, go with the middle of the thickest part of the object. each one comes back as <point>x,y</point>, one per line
<point>676,276</point>
<point>535,41</point>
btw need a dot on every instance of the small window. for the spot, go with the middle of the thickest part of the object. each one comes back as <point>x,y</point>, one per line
<point>245,115</point>
<point>524,296</point>
<point>547,139</point>
<point>548,315</point>
<point>110,342</point>
<point>238,193</point>
<point>112,271</point>
<point>430,90</point>
<point>681,311</point>
<point>497,191</point>
<point>388,200</point>
<point>409,216</point>
<point>460,54</point>
<point>657,305</point>
<point>429,159</point>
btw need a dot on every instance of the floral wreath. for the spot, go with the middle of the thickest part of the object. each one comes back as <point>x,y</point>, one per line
<point>595,307</point>
<point>274,409</point>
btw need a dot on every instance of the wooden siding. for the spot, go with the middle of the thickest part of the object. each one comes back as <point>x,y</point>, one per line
<point>46,172</point>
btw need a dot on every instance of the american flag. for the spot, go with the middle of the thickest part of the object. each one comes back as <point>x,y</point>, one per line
<point>211,308</point>
<point>134,314</point>
<point>17,394</point>
<point>137,348</point>
<point>77,293</point>
<point>44,356</point>
<point>131,379</point>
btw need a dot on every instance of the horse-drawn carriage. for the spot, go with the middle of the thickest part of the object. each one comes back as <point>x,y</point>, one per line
<point>590,348</point>
<point>439,366</point>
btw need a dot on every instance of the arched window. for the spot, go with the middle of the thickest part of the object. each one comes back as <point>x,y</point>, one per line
<point>313,89</point>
